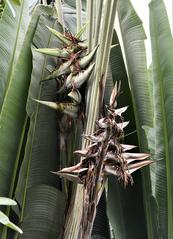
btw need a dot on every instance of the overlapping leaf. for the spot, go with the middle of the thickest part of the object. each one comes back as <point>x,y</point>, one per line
<point>161,136</point>
<point>42,150</point>
<point>119,201</point>
<point>133,36</point>
<point>13,113</point>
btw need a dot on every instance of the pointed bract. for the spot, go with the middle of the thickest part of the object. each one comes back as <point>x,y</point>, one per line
<point>60,36</point>
<point>138,156</point>
<point>70,109</point>
<point>133,167</point>
<point>54,52</point>
<point>85,60</point>
<point>120,111</point>
<point>50,104</point>
<point>70,176</point>
<point>63,69</point>
<point>82,30</point>
<point>114,95</point>
<point>75,95</point>
<point>77,80</point>
<point>123,125</point>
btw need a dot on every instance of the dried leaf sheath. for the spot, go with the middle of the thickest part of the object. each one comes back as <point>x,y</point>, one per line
<point>105,155</point>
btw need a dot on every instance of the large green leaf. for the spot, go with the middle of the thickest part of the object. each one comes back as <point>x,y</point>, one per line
<point>162,133</point>
<point>41,152</point>
<point>122,203</point>
<point>13,112</point>
<point>133,36</point>
<point>12,32</point>
<point>11,116</point>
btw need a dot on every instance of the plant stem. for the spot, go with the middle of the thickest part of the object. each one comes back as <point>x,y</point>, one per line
<point>58,7</point>
<point>98,22</point>
<point>90,21</point>
<point>73,222</point>
<point>79,14</point>
<point>101,60</point>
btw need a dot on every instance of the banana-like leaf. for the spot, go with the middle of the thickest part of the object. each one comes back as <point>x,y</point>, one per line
<point>11,39</point>
<point>44,213</point>
<point>121,202</point>
<point>133,36</point>
<point>41,152</point>
<point>13,112</point>
<point>161,136</point>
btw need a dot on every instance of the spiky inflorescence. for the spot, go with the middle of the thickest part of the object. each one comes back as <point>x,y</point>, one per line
<point>105,155</point>
<point>72,71</point>
<point>107,149</point>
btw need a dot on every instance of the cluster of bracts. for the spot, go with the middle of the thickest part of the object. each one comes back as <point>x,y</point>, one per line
<point>106,154</point>
<point>107,151</point>
<point>73,71</point>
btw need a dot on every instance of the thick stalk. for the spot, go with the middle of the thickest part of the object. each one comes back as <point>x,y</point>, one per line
<point>98,31</point>
<point>98,22</point>
<point>90,25</point>
<point>107,48</point>
<point>79,14</point>
<point>101,65</point>
<point>75,214</point>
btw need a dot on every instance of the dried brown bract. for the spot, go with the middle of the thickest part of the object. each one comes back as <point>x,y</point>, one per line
<point>107,147</point>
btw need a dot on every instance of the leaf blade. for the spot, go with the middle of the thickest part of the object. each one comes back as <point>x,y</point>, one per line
<point>12,32</point>
<point>162,69</point>
<point>133,40</point>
